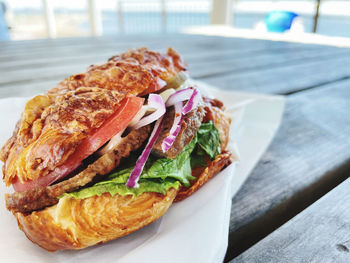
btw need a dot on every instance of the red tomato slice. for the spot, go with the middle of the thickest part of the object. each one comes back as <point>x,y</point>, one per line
<point>116,123</point>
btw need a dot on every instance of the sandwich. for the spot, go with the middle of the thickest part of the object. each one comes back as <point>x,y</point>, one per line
<point>107,152</point>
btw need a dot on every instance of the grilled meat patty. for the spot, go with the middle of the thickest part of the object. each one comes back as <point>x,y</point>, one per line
<point>190,124</point>
<point>42,197</point>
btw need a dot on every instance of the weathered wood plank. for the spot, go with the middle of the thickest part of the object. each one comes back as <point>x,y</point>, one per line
<point>286,78</point>
<point>202,62</point>
<point>64,43</point>
<point>27,89</point>
<point>308,157</point>
<point>53,48</point>
<point>217,64</point>
<point>273,60</point>
<point>321,233</point>
<point>32,76</point>
<point>188,50</point>
<point>49,48</point>
<point>200,42</point>
<point>69,43</point>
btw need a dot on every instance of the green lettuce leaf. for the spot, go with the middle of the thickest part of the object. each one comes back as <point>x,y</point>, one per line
<point>209,139</point>
<point>197,157</point>
<point>179,168</point>
<point>113,188</point>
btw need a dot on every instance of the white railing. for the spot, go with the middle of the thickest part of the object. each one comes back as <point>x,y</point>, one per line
<point>94,18</point>
<point>49,18</point>
<point>221,13</point>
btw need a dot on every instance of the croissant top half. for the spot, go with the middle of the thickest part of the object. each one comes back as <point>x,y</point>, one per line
<point>54,124</point>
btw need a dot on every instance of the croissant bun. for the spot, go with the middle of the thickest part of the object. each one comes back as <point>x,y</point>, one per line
<point>79,223</point>
<point>81,103</point>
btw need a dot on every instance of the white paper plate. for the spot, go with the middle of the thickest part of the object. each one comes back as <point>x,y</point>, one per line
<point>194,230</point>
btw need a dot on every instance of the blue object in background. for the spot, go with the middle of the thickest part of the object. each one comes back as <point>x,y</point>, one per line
<point>4,30</point>
<point>279,21</point>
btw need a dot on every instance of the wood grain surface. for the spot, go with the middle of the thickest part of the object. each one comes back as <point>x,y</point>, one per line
<point>31,67</point>
<point>309,155</point>
<point>319,234</point>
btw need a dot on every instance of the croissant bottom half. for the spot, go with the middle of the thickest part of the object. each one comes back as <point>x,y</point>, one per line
<point>79,223</point>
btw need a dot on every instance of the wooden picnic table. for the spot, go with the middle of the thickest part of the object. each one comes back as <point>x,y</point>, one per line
<point>308,157</point>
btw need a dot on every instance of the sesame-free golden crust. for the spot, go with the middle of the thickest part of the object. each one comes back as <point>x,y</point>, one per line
<point>54,124</point>
<point>49,133</point>
<point>79,223</point>
<point>204,174</point>
<point>130,73</point>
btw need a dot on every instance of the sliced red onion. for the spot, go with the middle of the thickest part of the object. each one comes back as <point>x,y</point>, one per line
<point>180,95</point>
<point>175,128</point>
<point>141,161</point>
<point>176,99</point>
<point>154,101</point>
<point>193,97</point>
<point>192,102</point>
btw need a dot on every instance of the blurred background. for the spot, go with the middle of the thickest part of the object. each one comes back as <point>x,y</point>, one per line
<point>33,19</point>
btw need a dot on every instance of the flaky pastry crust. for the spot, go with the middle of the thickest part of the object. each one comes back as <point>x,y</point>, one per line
<point>79,223</point>
<point>54,124</point>
<point>204,174</point>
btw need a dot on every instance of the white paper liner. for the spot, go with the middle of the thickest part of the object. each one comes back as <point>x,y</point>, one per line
<point>194,230</point>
